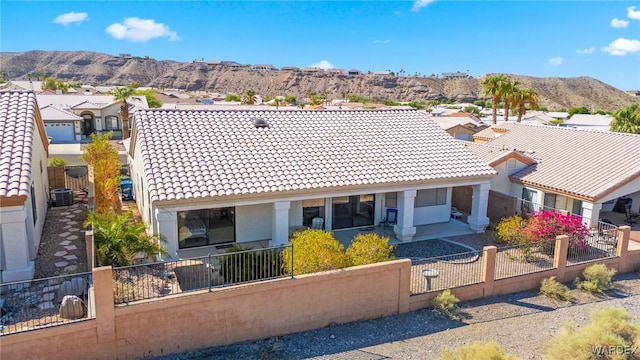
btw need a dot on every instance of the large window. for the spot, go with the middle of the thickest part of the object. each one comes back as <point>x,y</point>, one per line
<point>431,197</point>
<point>391,200</point>
<point>312,209</point>
<point>206,227</point>
<point>111,122</point>
<point>554,201</point>
<point>353,211</point>
<point>528,203</point>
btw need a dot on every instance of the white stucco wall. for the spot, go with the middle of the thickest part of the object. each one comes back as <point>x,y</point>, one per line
<point>501,182</point>
<point>16,254</point>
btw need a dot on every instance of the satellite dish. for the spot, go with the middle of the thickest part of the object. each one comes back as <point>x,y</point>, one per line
<point>77,172</point>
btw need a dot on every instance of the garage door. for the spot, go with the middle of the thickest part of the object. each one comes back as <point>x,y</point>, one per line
<point>59,132</point>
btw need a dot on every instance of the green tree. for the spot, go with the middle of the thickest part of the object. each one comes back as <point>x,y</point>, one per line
<point>369,249</point>
<point>118,240</point>
<point>492,86</point>
<point>480,103</point>
<point>290,99</point>
<point>314,251</point>
<point>250,97</point>
<point>152,100</point>
<point>233,97</point>
<point>472,109</point>
<point>3,76</point>
<point>121,94</point>
<point>509,92</point>
<point>627,119</point>
<point>49,84</point>
<point>57,162</point>
<point>103,158</point>
<point>578,110</point>
<point>134,84</point>
<point>520,100</point>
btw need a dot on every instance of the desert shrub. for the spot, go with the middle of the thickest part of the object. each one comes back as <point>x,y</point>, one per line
<point>369,249</point>
<point>510,230</point>
<point>314,251</point>
<point>597,279</point>
<point>478,351</point>
<point>551,288</point>
<point>445,302</point>
<point>242,265</point>
<point>608,327</point>
<point>57,162</point>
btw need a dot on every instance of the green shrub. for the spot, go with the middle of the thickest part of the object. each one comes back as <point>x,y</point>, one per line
<point>314,251</point>
<point>478,351</point>
<point>597,279</point>
<point>445,302</point>
<point>551,288</point>
<point>369,249</point>
<point>510,230</point>
<point>608,327</point>
<point>250,265</point>
<point>57,162</point>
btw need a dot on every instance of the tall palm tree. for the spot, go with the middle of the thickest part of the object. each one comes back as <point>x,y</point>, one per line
<point>122,94</point>
<point>492,87</point>
<point>508,92</point>
<point>118,240</point>
<point>250,97</point>
<point>627,119</point>
<point>522,98</point>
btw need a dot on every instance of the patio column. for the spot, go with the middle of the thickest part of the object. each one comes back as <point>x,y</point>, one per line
<point>591,213</point>
<point>404,229</point>
<point>280,223</point>
<point>478,219</point>
<point>168,228</point>
<point>14,235</point>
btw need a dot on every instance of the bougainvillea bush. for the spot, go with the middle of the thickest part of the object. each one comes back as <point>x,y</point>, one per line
<point>544,226</point>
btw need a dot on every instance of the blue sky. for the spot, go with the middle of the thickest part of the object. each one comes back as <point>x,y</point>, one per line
<point>600,39</point>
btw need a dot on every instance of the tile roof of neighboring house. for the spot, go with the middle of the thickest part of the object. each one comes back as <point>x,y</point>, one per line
<point>580,163</point>
<point>26,85</point>
<point>218,153</point>
<point>486,134</point>
<point>19,122</point>
<point>52,113</point>
<point>69,101</point>
<point>493,155</point>
<point>448,122</point>
<point>589,120</point>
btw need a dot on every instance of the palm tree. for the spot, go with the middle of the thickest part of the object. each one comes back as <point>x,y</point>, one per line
<point>250,97</point>
<point>122,94</point>
<point>522,98</point>
<point>627,119</point>
<point>508,92</point>
<point>492,87</point>
<point>118,240</point>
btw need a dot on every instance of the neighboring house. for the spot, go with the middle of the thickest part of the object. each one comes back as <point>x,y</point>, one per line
<point>460,127</point>
<point>559,115</point>
<point>99,114</point>
<point>264,67</point>
<point>354,72</point>
<point>589,122</point>
<point>455,75</point>
<point>24,186</point>
<point>580,171</point>
<point>238,176</point>
<point>22,85</point>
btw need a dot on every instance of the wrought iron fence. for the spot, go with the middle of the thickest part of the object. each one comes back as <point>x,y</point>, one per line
<point>522,259</point>
<point>148,281</point>
<point>445,272</point>
<point>600,243</point>
<point>39,303</point>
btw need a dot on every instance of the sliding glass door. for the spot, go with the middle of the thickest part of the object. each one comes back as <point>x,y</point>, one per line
<point>352,211</point>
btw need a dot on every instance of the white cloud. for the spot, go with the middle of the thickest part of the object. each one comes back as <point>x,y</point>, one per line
<point>622,46</point>
<point>140,30</point>
<point>323,64</point>
<point>385,41</point>
<point>419,4</point>
<point>618,23</point>
<point>556,61</point>
<point>71,17</point>
<point>586,51</point>
<point>632,13</point>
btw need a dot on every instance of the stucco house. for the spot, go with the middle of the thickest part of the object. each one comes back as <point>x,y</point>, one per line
<point>238,176</point>
<point>73,118</point>
<point>580,171</point>
<point>24,186</point>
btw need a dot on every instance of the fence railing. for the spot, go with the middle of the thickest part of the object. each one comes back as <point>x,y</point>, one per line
<point>600,243</point>
<point>444,272</point>
<point>521,259</point>
<point>39,303</point>
<point>148,281</point>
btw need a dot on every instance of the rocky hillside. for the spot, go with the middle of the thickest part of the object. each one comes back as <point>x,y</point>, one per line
<point>102,69</point>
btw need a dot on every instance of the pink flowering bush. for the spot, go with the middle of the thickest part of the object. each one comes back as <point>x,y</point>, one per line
<point>544,226</point>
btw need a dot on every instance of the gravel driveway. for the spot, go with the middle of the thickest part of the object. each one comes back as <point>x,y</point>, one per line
<point>523,323</point>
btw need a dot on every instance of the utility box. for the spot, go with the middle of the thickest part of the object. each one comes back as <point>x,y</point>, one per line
<point>126,188</point>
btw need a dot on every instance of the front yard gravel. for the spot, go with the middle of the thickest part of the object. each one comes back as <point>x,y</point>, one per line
<point>523,323</point>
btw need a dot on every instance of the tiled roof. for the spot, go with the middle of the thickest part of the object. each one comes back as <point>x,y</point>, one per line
<point>69,101</point>
<point>487,134</point>
<point>17,136</point>
<point>52,113</point>
<point>492,155</point>
<point>587,164</point>
<point>198,154</point>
